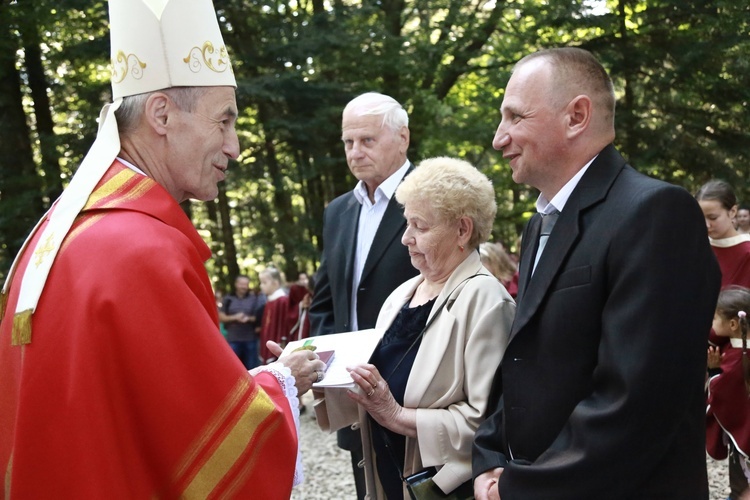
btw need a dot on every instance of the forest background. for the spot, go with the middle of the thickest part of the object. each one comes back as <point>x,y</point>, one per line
<point>681,70</point>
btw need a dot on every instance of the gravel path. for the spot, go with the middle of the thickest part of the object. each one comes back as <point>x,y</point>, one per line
<point>327,467</point>
<point>328,471</point>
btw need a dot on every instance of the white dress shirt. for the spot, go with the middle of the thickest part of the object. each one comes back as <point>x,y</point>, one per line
<point>370,217</point>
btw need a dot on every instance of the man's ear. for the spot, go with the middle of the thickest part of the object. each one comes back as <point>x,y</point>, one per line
<point>404,136</point>
<point>157,111</point>
<point>578,115</point>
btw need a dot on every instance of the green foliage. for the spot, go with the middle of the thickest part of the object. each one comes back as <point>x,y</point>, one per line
<point>680,68</point>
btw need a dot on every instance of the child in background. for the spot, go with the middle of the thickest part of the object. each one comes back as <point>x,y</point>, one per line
<point>728,411</point>
<point>732,249</point>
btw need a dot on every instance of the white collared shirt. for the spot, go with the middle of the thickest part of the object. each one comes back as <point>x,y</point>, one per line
<point>370,217</point>
<point>544,206</point>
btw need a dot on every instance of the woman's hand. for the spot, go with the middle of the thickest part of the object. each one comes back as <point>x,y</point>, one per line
<point>485,485</point>
<point>375,397</point>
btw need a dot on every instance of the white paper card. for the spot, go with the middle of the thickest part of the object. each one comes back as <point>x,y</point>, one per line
<point>351,348</point>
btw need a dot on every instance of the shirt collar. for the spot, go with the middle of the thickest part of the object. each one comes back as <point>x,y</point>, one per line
<point>386,188</point>
<point>558,201</point>
<point>275,295</point>
<point>729,242</point>
<point>736,343</point>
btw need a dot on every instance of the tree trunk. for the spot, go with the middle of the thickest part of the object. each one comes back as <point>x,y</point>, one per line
<point>227,235</point>
<point>42,110</point>
<point>20,186</point>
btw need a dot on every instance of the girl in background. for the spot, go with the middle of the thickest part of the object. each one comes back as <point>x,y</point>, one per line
<point>728,410</point>
<point>732,249</point>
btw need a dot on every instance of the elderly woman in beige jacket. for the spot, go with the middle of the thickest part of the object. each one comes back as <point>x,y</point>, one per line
<point>425,390</point>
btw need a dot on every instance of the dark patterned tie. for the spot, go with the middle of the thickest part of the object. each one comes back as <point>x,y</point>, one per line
<point>548,222</point>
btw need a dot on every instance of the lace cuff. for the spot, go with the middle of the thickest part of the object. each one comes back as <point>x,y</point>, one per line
<point>285,379</point>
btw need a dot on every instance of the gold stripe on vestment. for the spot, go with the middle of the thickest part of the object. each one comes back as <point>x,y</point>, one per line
<point>221,415</point>
<point>110,187</point>
<point>114,185</point>
<point>241,476</point>
<point>232,447</point>
<point>21,330</point>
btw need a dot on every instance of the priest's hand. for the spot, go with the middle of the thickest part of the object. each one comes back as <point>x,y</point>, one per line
<point>305,366</point>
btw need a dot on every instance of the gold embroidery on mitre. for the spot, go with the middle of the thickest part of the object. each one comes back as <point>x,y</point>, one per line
<point>21,328</point>
<point>124,64</point>
<point>41,253</point>
<point>218,62</point>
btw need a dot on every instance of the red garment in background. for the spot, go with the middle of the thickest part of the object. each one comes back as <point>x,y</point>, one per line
<point>734,261</point>
<point>298,321</point>
<point>733,255</point>
<point>512,285</point>
<point>728,411</point>
<point>274,325</point>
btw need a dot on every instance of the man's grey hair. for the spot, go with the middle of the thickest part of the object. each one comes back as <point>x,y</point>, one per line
<point>376,104</point>
<point>131,110</point>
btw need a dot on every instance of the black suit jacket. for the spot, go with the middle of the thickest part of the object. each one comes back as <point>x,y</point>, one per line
<point>600,392</point>
<point>387,266</point>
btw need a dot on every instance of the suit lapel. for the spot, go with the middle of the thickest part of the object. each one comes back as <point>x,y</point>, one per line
<point>530,241</point>
<point>591,189</point>
<point>348,222</point>
<point>559,244</point>
<point>391,228</point>
<point>438,336</point>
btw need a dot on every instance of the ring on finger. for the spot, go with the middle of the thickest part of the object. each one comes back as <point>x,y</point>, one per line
<point>371,393</point>
<point>319,374</point>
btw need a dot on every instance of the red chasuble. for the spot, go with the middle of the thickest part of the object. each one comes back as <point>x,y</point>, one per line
<point>127,389</point>
<point>728,412</point>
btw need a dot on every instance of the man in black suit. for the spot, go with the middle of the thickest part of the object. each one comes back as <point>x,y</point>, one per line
<point>363,257</point>
<point>600,392</point>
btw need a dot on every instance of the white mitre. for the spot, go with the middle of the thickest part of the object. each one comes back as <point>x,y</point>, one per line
<point>155,44</point>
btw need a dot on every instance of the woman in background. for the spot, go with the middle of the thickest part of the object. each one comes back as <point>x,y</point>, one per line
<point>501,265</point>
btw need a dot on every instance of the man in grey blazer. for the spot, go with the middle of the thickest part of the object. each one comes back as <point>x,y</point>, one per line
<point>600,392</point>
<point>363,258</point>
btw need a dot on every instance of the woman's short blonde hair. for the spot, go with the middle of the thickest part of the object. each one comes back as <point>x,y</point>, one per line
<point>453,188</point>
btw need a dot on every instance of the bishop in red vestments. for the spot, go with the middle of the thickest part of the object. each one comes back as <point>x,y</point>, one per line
<point>115,381</point>
<point>134,369</point>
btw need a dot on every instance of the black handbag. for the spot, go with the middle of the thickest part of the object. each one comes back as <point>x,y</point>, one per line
<point>422,487</point>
